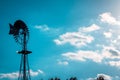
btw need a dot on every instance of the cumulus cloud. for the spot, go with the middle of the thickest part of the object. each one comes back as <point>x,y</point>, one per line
<point>101,42</point>
<point>110,52</point>
<point>108,55</point>
<point>78,38</point>
<point>83,56</point>
<point>108,18</point>
<point>42,27</point>
<point>15,75</point>
<point>111,56</point>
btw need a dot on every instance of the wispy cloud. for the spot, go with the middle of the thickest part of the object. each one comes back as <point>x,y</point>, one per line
<point>48,30</point>
<point>63,63</point>
<point>91,28</point>
<point>35,73</point>
<point>42,27</point>
<point>14,75</point>
<point>114,63</point>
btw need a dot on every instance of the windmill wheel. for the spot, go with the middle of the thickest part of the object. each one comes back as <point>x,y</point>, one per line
<point>19,30</point>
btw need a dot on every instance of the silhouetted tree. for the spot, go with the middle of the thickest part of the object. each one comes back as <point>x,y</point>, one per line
<point>57,78</point>
<point>100,78</point>
<point>73,78</point>
<point>51,79</point>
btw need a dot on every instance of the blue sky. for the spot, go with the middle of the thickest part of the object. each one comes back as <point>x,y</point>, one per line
<point>67,37</point>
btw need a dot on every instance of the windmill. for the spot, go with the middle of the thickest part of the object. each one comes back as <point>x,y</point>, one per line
<point>20,33</point>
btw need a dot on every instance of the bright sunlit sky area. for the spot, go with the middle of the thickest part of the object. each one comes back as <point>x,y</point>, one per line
<point>68,38</point>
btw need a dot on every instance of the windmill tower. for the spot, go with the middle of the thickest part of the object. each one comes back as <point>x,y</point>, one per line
<point>20,33</point>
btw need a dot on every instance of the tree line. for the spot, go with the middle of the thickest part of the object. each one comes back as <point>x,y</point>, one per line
<point>75,78</point>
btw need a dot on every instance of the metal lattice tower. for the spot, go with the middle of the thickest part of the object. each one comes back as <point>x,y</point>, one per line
<point>21,35</point>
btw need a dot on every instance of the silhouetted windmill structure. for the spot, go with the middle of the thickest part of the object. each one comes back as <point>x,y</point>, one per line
<point>20,33</point>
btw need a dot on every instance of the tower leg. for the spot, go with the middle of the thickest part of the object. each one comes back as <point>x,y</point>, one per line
<point>24,72</point>
<point>24,68</point>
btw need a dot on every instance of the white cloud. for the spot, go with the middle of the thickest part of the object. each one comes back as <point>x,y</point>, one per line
<point>111,56</point>
<point>108,55</point>
<point>83,56</point>
<point>63,63</point>
<point>108,34</point>
<point>108,18</point>
<point>93,27</point>
<point>35,73</point>
<point>101,42</point>
<point>14,75</point>
<point>74,38</point>
<point>49,30</point>
<point>77,39</point>
<point>114,63</point>
<point>42,27</point>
